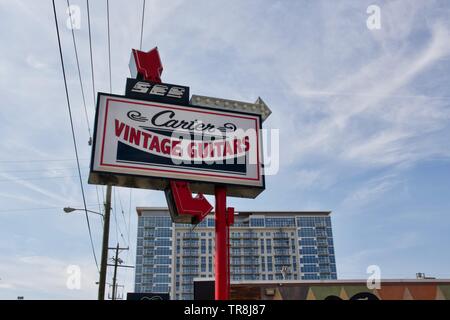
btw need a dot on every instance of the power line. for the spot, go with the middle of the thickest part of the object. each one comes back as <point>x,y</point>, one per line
<point>129,224</point>
<point>73,133</point>
<point>98,199</point>
<point>93,86</point>
<point>142,24</point>
<point>115,217</point>
<point>90,51</point>
<point>41,170</point>
<point>123,215</point>
<point>79,72</point>
<point>36,178</point>
<point>109,47</point>
<point>39,208</point>
<point>40,160</point>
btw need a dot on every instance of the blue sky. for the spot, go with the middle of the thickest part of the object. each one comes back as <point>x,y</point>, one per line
<point>364,120</point>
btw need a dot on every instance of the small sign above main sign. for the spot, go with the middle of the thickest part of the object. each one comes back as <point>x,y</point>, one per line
<point>160,92</point>
<point>145,144</point>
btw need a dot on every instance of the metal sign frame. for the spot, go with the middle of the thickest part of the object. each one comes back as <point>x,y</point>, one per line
<point>134,180</point>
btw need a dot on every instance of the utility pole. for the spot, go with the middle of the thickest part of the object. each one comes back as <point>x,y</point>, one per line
<point>117,263</point>
<point>104,261</point>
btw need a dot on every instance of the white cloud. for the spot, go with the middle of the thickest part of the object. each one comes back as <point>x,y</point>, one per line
<point>372,118</point>
<point>33,62</point>
<point>370,191</point>
<point>41,276</point>
<point>354,265</point>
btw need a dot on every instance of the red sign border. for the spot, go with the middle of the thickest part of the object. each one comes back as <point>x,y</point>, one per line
<point>156,104</point>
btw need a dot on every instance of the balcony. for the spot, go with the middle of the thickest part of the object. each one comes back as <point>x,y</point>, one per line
<point>281,244</point>
<point>287,254</point>
<point>280,236</point>
<point>245,245</point>
<point>188,291</point>
<point>283,263</point>
<point>250,253</point>
<point>243,272</point>
<point>148,244</point>
<point>190,272</point>
<point>321,225</point>
<point>322,244</point>
<point>190,253</point>
<point>190,246</point>
<point>248,236</point>
<point>190,236</point>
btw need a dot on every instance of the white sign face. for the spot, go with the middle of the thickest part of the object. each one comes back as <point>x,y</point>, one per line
<point>163,141</point>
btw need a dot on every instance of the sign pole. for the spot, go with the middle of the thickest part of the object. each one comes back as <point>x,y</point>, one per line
<point>221,258</point>
<point>105,242</point>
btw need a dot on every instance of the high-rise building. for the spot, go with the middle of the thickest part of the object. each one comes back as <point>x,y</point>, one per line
<point>273,245</point>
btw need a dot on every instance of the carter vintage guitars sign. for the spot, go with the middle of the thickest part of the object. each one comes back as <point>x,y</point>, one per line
<point>141,143</point>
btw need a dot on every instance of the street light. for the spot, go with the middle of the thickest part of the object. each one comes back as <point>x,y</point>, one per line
<point>105,241</point>
<point>69,210</point>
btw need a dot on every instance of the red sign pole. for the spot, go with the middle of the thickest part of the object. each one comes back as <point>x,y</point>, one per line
<point>221,258</point>
<point>148,66</point>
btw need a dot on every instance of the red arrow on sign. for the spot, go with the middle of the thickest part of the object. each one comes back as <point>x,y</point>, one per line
<point>146,65</point>
<point>197,207</point>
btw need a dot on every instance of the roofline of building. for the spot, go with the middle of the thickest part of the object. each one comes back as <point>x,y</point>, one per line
<point>329,282</point>
<point>139,210</point>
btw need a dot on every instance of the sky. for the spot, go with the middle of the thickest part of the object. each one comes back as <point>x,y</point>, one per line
<point>363,118</point>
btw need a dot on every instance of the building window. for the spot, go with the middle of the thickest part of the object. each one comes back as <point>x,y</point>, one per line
<point>309,268</point>
<point>269,246</point>
<point>308,250</point>
<point>280,222</point>
<point>203,264</point>
<point>203,246</point>
<point>307,242</point>
<point>163,232</point>
<point>163,251</point>
<point>306,232</point>
<point>256,222</point>
<point>269,264</point>
<point>309,259</point>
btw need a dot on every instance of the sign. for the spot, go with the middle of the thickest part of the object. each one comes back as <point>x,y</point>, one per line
<point>203,289</point>
<point>147,296</point>
<point>146,65</point>
<point>144,144</point>
<point>259,107</point>
<point>160,92</point>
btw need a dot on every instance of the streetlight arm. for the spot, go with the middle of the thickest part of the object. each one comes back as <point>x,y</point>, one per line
<point>69,209</point>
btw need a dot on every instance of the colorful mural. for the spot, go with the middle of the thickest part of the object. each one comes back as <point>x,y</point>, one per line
<point>345,290</point>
